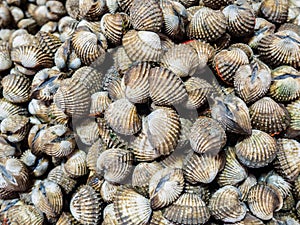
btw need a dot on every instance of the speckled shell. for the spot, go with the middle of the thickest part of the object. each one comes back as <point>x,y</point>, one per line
<point>285,86</point>
<point>182,60</point>
<point>166,88</point>
<point>165,186</point>
<point>142,45</point>
<point>146,15</point>
<point>225,205</point>
<point>263,200</point>
<point>240,18</point>
<point>276,11</point>
<point>281,48</point>
<point>6,149</point>
<point>76,166</point>
<point>246,185</point>
<point>85,205</point>
<point>267,115</point>
<point>228,61</point>
<point>294,111</point>
<point>288,160</point>
<point>207,24</point>
<point>251,82</point>
<point>66,219</point>
<point>49,43</point>
<point>233,172</point>
<point>177,212</point>
<point>256,151</point>
<point>99,103</point>
<point>132,208</point>
<point>115,164</point>
<point>9,109</point>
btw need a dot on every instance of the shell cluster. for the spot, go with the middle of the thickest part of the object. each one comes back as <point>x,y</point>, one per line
<point>157,112</point>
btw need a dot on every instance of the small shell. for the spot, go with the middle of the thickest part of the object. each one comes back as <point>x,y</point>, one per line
<point>225,205</point>
<point>125,4</point>
<point>8,109</point>
<point>66,219</point>
<point>48,42</point>
<point>85,205</point>
<point>246,186</point>
<point>39,109</point>
<point>115,164</point>
<point>99,103</point>
<point>76,166</point>
<point>294,111</point>
<point>198,212</point>
<point>263,200</point>
<point>108,191</point>
<point>5,59</point>
<point>132,208</point>
<point>95,181</point>
<point>91,10</point>
<point>166,88</point>
<point>87,130</point>
<point>6,149</point>
<point>182,60</point>
<point>269,116</point>
<point>142,45</point>
<point>203,49</point>
<point>15,128</point>
<point>256,151</point>
<point>207,136</point>
<point>276,11</point>
<point>165,186</point>
<point>207,24</point>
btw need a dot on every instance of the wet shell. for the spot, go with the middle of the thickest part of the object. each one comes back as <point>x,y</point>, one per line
<point>166,88</point>
<point>233,172</point>
<point>263,201</point>
<point>163,130</point>
<point>99,103</point>
<point>108,191</point>
<point>66,219</point>
<point>294,111</point>
<point>269,116</point>
<point>5,59</point>
<point>225,205</point>
<point>198,213</point>
<point>182,60</point>
<point>288,160</point>
<point>15,128</point>
<point>142,45</point>
<point>48,42</point>
<point>207,24</point>
<point>246,186</point>
<point>281,48</point>
<point>165,186</point>
<point>132,208</point>
<point>76,166</point>
<point>276,11</point>
<point>228,61</point>
<point>85,205</point>
<point>204,50</point>
<point>240,18</point>
<point>207,136</point>
<point>115,164</point>
<point>91,10</point>
<point>16,88</point>
<point>256,151</point>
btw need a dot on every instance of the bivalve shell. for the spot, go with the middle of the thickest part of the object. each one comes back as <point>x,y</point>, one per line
<point>5,59</point>
<point>108,191</point>
<point>158,219</point>
<point>246,186</point>
<point>276,11</point>
<point>203,49</point>
<point>66,219</point>
<point>294,111</point>
<point>76,166</point>
<point>99,103</point>
<point>48,42</point>
<point>91,10</point>
<point>9,109</point>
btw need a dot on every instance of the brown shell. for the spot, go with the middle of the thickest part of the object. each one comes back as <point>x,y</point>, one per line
<point>142,45</point>
<point>177,212</point>
<point>76,166</point>
<point>268,116</point>
<point>216,4</point>
<point>109,215</point>
<point>276,11</point>
<point>48,42</point>
<point>203,49</point>
<point>146,15</point>
<point>158,219</point>
<point>39,109</point>
<point>116,88</point>
<point>225,205</point>
<point>108,191</point>
<point>86,130</point>
<point>6,149</point>
<point>245,186</point>
<point>6,61</point>
<point>125,4</point>
<point>99,103</point>
<point>294,111</point>
<point>248,220</point>
<point>166,88</point>
<point>256,151</point>
<point>207,24</point>
<point>91,10</point>
<point>9,109</point>
<point>66,219</point>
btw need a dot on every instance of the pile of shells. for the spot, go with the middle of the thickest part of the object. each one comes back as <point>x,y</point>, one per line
<point>157,112</point>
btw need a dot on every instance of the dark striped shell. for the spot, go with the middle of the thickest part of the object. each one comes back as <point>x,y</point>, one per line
<point>276,11</point>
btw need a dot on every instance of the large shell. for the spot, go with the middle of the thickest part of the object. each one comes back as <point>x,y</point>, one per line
<point>276,11</point>
<point>225,205</point>
<point>132,208</point>
<point>267,115</point>
<point>146,15</point>
<point>207,24</point>
<point>165,186</point>
<point>207,136</point>
<point>198,212</point>
<point>263,200</point>
<point>76,166</point>
<point>166,88</point>
<point>85,205</point>
<point>256,151</point>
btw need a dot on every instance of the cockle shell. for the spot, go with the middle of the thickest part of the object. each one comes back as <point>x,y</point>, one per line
<point>108,191</point>
<point>75,165</point>
<point>66,219</point>
<point>204,50</point>
<point>116,88</point>
<point>48,42</point>
<point>9,109</point>
<point>158,219</point>
<point>294,111</point>
<point>248,220</point>
<point>121,61</point>
<point>216,4</point>
<point>6,61</point>
<point>245,186</point>
<point>109,215</point>
<point>87,131</point>
<point>275,11</point>
<point>99,103</point>
<point>6,149</point>
<point>91,10</point>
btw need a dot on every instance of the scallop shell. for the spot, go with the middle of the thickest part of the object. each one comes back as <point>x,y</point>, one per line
<point>276,11</point>
<point>48,42</point>
<point>166,88</point>
<point>225,205</point>
<point>288,160</point>
<point>165,186</point>
<point>286,84</point>
<point>251,82</point>
<point>15,128</point>
<point>108,191</point>
<point>86,205</point>
<point>66,219</point>
<point>207,136</point>
<point>177,212</point>
<point>267,115</point>
<point>182,60</point>
<point>233,172</point>
<point>9,109</point>
<point>294,111</point>
<point>115,164</point>
<point>142,45</point>
<point>203,49</point>
<point>76,166</point>
<point>256,151</point>
<point>263,200</point>
<point>5,59</point>
<point>132,208</point>
<point>281,48</point>
<point>207,24</point>
<point>245,186</point>
<point>99,103</point>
